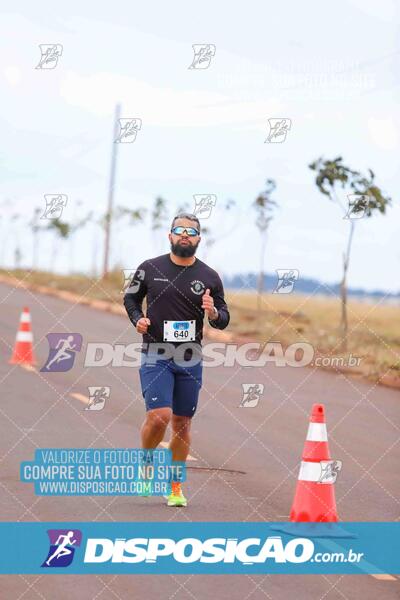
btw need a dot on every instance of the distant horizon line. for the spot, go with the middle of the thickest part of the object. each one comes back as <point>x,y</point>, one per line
<point>302,285</point>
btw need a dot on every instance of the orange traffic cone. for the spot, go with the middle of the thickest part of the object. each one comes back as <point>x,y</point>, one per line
<point>23,349</point>
<point>314,499</point>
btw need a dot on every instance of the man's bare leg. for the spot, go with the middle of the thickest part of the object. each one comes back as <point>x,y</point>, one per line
<point>154,426</point>
<point>180,441</point>
<point>179,446</point>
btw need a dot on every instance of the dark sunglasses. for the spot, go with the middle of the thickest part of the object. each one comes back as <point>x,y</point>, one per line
<point>191,231</point>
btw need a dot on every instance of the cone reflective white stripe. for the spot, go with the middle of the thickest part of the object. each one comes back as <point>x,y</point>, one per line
<point>311,471</point>
<point>25,317</point>
<point>314,498</point>
<point>24,336</point>
<point>317,432</point>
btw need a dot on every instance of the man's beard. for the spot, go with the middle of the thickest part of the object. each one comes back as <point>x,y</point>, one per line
<point>184,251</point>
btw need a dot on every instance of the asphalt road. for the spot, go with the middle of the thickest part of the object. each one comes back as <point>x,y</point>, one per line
<point>245,463</point>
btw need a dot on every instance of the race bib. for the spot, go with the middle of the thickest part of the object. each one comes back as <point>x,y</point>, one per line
<point>179,331</point>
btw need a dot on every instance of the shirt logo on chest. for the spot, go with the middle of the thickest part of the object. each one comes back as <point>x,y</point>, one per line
<point>197,287</point>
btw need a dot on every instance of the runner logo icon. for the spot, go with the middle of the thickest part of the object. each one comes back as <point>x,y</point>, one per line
<point>62,547</point>
<point>97,396</point>
<point>329,470</point>
<point>251,394</point>
<point>62,348</point>
<point>50,53</point>
<point>55,203</point>
<point>204,204</point>
<point>203,54</point>
<point>286,280</point>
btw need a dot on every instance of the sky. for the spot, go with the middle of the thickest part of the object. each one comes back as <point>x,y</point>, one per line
<point>332,70</point>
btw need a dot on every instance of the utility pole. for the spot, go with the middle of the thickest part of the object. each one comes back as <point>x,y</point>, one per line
<point>108,220</point>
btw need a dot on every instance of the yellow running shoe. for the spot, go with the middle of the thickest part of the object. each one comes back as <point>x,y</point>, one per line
<point>176,498</point>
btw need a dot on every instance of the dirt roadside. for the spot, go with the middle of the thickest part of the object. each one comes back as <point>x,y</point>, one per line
<point>387,380</point>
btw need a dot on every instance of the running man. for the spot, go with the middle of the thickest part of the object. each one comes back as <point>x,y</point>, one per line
<point>180,291</point>
<point>62,549</point>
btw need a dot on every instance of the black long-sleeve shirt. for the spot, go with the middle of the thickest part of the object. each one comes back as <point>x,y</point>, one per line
<point>174,293</point>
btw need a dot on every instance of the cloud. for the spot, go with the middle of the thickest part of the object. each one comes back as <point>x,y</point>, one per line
<point>160,106</point>
<point>12,74</point>
<point>383,132</point>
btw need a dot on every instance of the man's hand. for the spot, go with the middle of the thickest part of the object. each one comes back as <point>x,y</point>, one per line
<point>142,325</point>
<point>208,305</point>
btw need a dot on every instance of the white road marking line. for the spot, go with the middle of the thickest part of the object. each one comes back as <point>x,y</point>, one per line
<point>166,444</point>
<point>384,577</point>
<point>80,397</point>
<point>29,368</point>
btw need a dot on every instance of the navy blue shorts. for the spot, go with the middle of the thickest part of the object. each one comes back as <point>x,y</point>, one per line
<point>168,384</point>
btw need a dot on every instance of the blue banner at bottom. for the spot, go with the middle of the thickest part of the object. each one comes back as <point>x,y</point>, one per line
<point>199,548</point>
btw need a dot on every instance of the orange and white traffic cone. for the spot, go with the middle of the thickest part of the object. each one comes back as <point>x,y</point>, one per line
<point>314,500</point>
<point>23,348</point>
